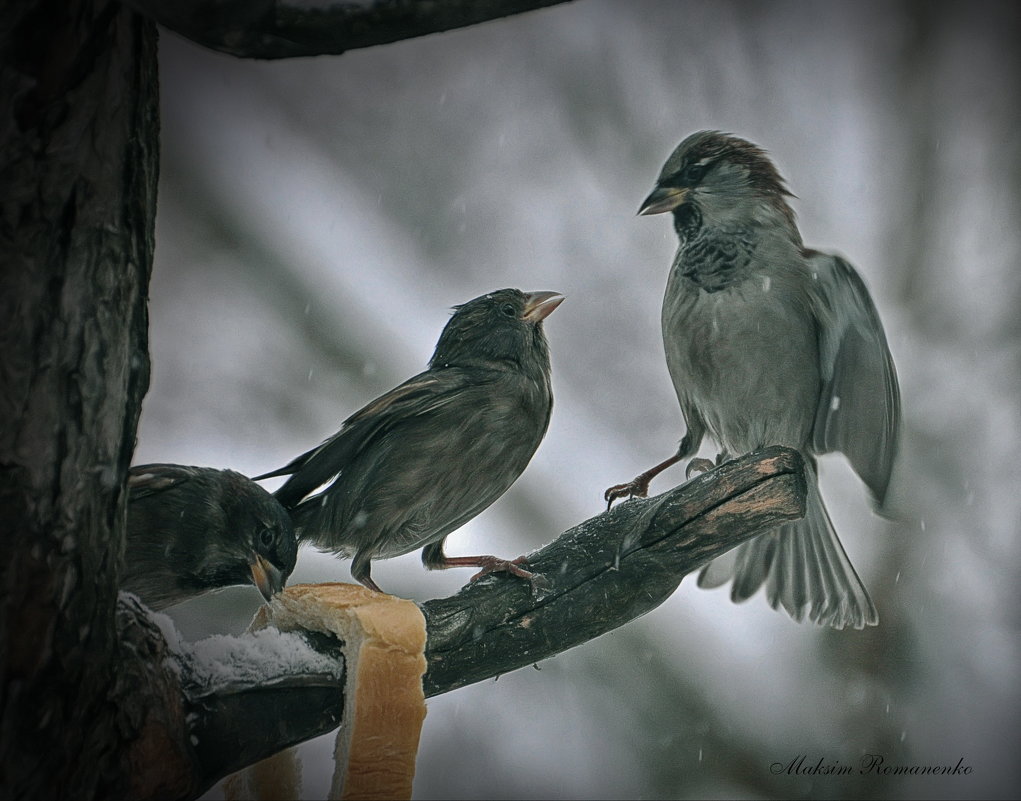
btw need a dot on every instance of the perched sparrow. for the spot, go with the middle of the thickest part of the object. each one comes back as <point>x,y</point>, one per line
<point>770,343</point>
<point>426,457</point>
<point>194,529</point>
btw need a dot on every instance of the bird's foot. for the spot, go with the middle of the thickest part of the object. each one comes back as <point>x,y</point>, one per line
<point>638,487</point>
<point>489,564</point>
<point>368,582</point>
<point>705,465</point>
<point>540,584</point>
<point>493,564</point>
<point>698,466</point>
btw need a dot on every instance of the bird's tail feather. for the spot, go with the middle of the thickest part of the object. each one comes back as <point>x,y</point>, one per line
<point>804,568</point>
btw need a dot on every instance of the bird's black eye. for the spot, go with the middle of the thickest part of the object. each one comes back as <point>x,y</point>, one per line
<point>693,173</point>
<point>509,310</point>
<point>267,536</point>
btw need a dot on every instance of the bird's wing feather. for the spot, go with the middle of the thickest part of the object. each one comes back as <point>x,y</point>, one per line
<point>859,403</point>
<point>419,395</point>
<point>149,479</point>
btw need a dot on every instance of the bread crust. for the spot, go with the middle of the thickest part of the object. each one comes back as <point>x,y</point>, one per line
<point>384,705</point>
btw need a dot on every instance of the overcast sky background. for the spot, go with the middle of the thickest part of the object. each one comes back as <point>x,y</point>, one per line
<point>319,217</point>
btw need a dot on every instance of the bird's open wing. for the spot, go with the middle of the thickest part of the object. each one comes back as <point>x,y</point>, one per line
<point>419,395</point>
<point>149,479</point>
<point>859,404</point>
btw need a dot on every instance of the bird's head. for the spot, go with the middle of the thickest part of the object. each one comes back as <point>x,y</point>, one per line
<point>722,179</point>
<point>262,548</point>
<point>500,327</point>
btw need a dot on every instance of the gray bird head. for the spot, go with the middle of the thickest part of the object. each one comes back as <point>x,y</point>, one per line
<point>723,180</point>
<point>504,326</point>
<point>196,529</point>
<point>262,548</point>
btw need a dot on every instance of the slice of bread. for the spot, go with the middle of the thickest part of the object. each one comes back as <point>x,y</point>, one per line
<point>384,706</point>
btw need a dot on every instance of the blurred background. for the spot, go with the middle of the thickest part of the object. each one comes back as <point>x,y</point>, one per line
<point>319,217</point>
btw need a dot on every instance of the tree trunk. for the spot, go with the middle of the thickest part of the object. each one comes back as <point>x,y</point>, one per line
<point>78,160</point>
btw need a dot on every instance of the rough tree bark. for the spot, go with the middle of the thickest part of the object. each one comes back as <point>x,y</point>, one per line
<point>78,160</point>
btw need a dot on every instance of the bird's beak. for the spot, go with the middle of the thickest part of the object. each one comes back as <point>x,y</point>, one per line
<point>540,305</point>
<point>663,198</point>
<point>265,576</point>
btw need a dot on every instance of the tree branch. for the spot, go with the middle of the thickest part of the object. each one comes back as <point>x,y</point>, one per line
<point>287,28</point>
<point>601,574</point>
<point>609,570</point>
